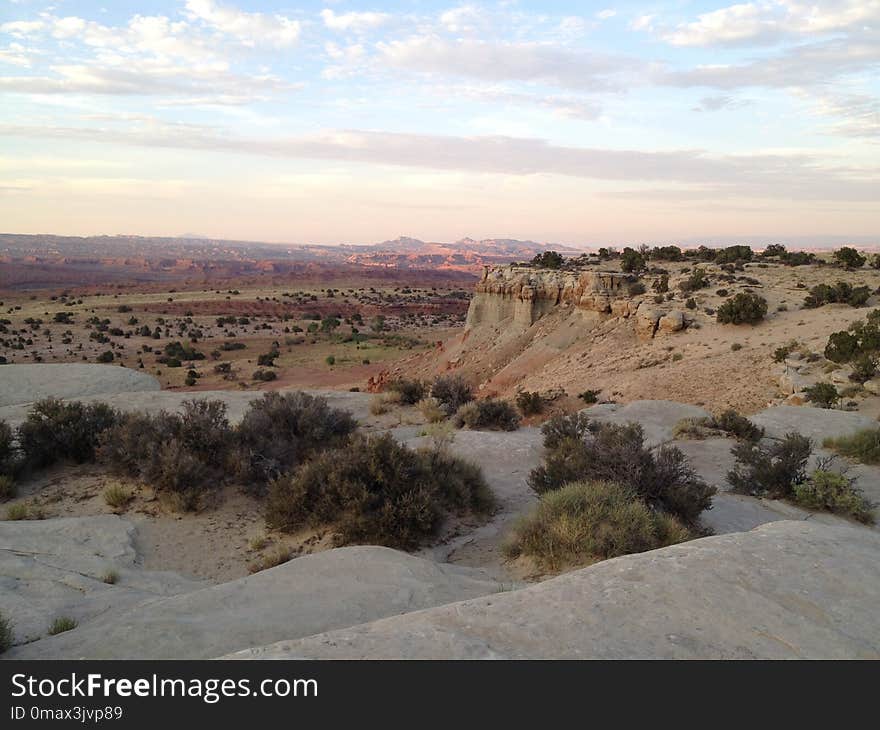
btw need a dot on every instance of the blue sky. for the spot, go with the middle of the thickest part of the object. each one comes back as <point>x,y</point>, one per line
<point>346,121</point>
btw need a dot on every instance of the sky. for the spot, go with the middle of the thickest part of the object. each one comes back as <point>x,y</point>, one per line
<point>327,122</point>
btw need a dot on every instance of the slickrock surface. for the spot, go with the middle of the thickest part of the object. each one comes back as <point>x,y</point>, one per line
<point>782,591</point>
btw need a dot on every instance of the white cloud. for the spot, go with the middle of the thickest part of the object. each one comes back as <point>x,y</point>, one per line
<point>777,176</point>
<point>605,14</point>
<point>22,28</point>
<point>770,20</point>
<point>854,114</point>
<point>249,29</point>
<point>502,61</point>
<point>354,21</point>
<point>463,19</point>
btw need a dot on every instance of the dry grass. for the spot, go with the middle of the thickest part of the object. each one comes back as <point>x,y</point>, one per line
<point>279,557</point>
<point>117,496</point>
<point>62,624</point>
<point>863,446</point>
<point>585,522</point>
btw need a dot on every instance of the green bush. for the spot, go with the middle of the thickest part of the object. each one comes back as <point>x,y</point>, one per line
<point>849,258</point>
<point>452,391</point>
<point>585,522</point>
<point>696,281</point>
<point>863,446</point>
<point>410,391</point>
<point>184,453</point>
<point>824,395</point>
<point>733,254</point>
<point>548,260</point>
<point>864,368</point>
<point>770,470</point>
<point>560,427</point>
<point>738,426</point>
<point>56,431</point>
<point>62,624</point>
<point>490,414</point>
<point>7,487</point>
<point>743,308</point>
<point>617,453</point>
<point>590,396</point>
<point>842,293</point>
<point>8,453</point>
<point>830,492</point>
<point>265,376</point>
<point>377,491</point>
<point>279,430</point>
<point>530,403</point>
<point>631,260</point>
<point>6,635</point>
<point>842,347</point>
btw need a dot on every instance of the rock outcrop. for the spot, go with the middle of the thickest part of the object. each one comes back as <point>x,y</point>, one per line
<point>786,590</point>
<point>526,293</point>
<point>28,383</point>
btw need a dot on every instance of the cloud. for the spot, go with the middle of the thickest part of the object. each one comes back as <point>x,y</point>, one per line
<point>464,19</point>
<point>354,21</point>
<point>768,22</point>
<point>803,65</point>
<point>22,28</point>
<point>206,85</point>
<point>716,103</point>
<point>770,176</point>
<point>249,29</point>
<point>505,61</point>
<point>605,14</point>
<point>856,115</point>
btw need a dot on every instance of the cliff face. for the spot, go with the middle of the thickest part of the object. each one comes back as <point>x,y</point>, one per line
<point>527,294</point>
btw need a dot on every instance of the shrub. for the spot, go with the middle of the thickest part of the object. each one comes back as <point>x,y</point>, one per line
<point>849,258</point>
<point>736,346</point>
<point>431,409</point>
<point>864,368</point>
<point>842,293</point>
<point>530,403</point>
<point>585,522</point>
<point>117,496</point>
<point>781,353</point>
<point>55,430</point>
<point>8,456</point>
<point>733,254</point>
<point>410,391</point>
<point>452,391</point>
<point>377,491</point>
<point>691,303</point>
<point>490,414</point>
<point>19,511</point>
<point>831,492</point>
<point>6,635</point>
<point>617,453</point>
<point>696,281</point>
<point>631,260</point>
<point>62,624</point>
<point>738,426</point>
<point>7,487</point>
<point>183,453</point>
<point>177,351</point>
<point>265,376</point>
<point>824,395</point>
<point>590,396</point>
<point>105,357</point>
<point>330,360</point>
<point>279,430</point>
<point>548,260</point>
<point>560,427</point>
<point>770,470</point>
<point>111,577</point>
<point>743,308</point>
<point>692,428</point>
<point>863,446</point>
<point>841,347</point>
<point>636,288</point>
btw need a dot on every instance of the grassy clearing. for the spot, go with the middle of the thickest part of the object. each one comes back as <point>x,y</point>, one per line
<point>863,446</point>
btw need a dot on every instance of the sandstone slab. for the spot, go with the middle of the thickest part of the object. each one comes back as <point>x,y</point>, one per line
<point>786,590</point>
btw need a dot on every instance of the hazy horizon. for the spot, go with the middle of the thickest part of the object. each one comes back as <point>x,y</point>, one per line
<point>330,122</point>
